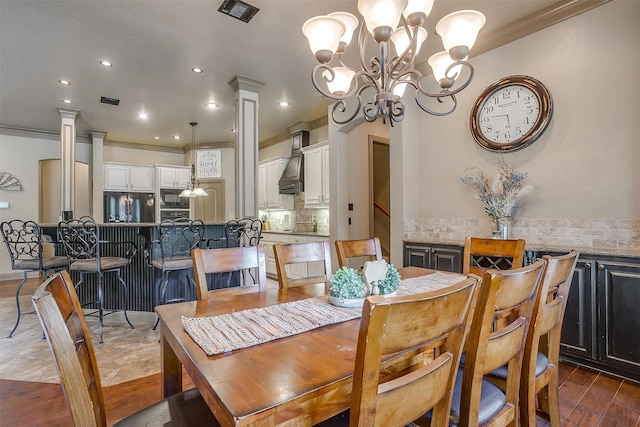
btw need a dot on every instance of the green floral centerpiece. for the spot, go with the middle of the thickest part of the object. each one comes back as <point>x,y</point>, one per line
<point>391,281</point>
<point>348,284</point>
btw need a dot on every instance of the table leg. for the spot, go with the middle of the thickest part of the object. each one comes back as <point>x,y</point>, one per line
<point>171,368</point>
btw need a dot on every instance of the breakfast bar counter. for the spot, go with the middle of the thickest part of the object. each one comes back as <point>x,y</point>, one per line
<point>141,278</point>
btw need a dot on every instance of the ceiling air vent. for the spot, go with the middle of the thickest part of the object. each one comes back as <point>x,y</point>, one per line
<point>238,9</point>
<point>110,101</point>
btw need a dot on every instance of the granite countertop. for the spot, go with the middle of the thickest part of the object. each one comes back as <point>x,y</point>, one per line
<point>298,233</point>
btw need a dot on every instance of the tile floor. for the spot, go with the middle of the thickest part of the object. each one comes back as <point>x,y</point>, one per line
<point>126,353</point>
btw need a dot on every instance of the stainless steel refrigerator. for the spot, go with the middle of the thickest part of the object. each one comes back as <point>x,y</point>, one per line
<point>129,207</point>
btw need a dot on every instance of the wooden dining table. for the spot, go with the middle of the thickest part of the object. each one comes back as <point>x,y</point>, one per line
<point>297,380</point>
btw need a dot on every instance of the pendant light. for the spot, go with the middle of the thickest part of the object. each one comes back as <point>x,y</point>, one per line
<point>193,186</point>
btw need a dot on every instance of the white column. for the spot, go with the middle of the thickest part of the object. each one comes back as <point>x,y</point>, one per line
<point>246,124</point>
<point>97,209</point>
<point>67,160</point>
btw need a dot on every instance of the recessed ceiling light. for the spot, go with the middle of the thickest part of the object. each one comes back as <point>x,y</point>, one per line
<point>67,101</point>
<point>106,63</point>
<point>143,115</point>
<point>212,105</point>
<point>283,103</point>
<point>64,82</point>
<point>196,70</point>
<point>156,138</point>
<point>177,137</point>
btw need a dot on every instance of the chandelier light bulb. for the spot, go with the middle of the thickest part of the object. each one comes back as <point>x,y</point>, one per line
<point>341,83</point>
<point>401,40</point>
<point>439,63</point>
<point>460,29</point>
<point>417,11</point>
<point>381,16</point>
<point>324,33</point>
<point>350,22</point>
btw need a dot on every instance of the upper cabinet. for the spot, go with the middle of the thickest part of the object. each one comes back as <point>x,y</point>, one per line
<point>316,176</point>
<point>173,177</point>
<point>269,197</point>
<point>122,177</point>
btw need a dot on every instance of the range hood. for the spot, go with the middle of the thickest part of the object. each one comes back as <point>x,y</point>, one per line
<point>292,179</point>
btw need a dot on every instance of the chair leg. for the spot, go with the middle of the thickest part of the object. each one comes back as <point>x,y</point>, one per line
<point>163,293</point>
<point>126,297</point>
<point>24,280</point>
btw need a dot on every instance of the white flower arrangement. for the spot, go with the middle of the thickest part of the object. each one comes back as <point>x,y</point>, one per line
<point>500,196</point>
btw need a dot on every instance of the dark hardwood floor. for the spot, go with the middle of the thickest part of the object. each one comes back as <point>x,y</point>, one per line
<point>586,398</point>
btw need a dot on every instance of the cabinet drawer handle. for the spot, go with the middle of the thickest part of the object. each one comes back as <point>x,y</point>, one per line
<point>587,265</point>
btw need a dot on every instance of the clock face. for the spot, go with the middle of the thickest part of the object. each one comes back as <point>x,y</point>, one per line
<point>511,114</point>
<point>508,114</point>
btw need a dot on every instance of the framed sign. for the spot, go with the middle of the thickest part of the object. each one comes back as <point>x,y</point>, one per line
<point>209,164</point>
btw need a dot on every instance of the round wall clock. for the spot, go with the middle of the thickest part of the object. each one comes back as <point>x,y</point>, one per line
<point>511,114</point>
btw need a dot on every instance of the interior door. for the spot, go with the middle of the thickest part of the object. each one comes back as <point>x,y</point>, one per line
<point>210,208</point>
<point>380,193</point>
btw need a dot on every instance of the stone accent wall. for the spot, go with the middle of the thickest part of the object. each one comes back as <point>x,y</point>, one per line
<point>605,236</point>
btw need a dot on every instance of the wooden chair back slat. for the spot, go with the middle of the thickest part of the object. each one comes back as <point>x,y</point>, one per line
<point>410,325</point>
<point>227,260</point>
<point>516,289</point>
<point>62,319</point>
<point>544,338</point>
<point>293,253</point>
<point>346,249</point>
<point>480,255</point>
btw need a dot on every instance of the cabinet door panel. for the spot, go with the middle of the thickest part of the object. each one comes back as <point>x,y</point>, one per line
<point>183,176</point>
<point>416,256</point>
<point>620,315</point>
<point>579,324</point>
<point>116,177</point>
<point>313,177</point>
<point>141,178</point>
<point>447,260</point>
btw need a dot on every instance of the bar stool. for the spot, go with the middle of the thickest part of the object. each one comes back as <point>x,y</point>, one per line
<point>24,243</point>
<point>82,243</point>
<point>176,239</point>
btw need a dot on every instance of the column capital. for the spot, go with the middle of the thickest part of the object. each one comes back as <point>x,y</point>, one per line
<point>245,83</point>
<point>98,134</point>
<point>68,113</point>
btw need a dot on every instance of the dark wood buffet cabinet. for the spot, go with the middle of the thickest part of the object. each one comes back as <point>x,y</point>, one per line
<point>601,328</point>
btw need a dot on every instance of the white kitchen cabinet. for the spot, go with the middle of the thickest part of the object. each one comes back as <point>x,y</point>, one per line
<point>173,177</point>
<point>316,176</point>
<point>269,197</point>
<point>123,177</point>
<point>294,270</point>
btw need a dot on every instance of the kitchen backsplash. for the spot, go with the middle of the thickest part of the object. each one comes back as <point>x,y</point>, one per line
<point>613,236</point>
<point>298,220</point>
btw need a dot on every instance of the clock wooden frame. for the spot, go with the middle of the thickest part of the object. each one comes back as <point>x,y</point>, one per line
<point>545,112</point>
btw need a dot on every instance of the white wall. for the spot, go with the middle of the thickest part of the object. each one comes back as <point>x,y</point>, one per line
<point>585,166</point>
<point>20,156</point>
<point>121,154</point>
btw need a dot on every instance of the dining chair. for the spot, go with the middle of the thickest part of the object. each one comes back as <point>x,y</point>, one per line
<point>65,327</point>
<point>176,239</point>
<point>26,247</point>
<point>228,260</point>
<point>295,253</point>
<point>542,347</point>
<point>84,248</point>
<point>480,255</point>
<point>369,248</point>
<point>503,311</point>
<point>397,391</point>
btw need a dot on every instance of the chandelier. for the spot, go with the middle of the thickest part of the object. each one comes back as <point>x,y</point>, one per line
<point>397,24</point>
<point>193,187</point>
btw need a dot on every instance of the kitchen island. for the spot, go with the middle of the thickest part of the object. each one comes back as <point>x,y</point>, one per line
<point>141,278</point>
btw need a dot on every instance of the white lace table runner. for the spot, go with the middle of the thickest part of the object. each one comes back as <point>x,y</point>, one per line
<point>232,331</point>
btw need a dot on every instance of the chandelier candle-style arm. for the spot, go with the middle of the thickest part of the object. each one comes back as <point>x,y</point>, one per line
<point>391,24</point>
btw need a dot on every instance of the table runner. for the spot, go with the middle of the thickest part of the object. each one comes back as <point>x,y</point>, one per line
<point>233,331</point>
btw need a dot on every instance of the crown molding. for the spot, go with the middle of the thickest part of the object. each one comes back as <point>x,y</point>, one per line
<point>313,124</point>
<point>534,22</point>
<point>39,134</point>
